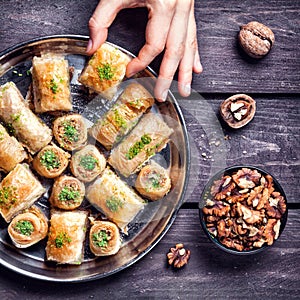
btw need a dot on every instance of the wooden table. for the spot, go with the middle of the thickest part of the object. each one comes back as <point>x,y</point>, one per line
<point>270,141</point>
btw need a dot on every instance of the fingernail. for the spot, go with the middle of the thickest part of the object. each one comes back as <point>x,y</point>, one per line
<point>198,66</point>
<point>187,89</point>
<point>89,45</point>
<point>164,95</point>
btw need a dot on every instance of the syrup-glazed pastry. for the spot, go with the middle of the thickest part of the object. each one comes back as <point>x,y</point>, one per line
<point>87,163</point>
<point>123,116</point>
<point>115,199</point>
<point>51,161</point>
<point>51,84</point>
<point>18,191</point>
<point>67,193</point>
<point>105,70</point>
<point>153,181</point>
<point>66,236</point>
<point>150,136</point>
<point>28,227</point>
<point>70,131</point>
<point>104,238</point>
<point>26,126</point>
<point>11,151</point>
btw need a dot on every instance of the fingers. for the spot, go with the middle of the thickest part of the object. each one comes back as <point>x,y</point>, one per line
<point>156,35</point>
<point>175,48</point>
<point>101,19</point>
<point>190,61</point>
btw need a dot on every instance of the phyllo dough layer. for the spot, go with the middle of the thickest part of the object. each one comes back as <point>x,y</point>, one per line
<point>123,116</point>
<point>18,191</point>
<point>66,236</point>
<point>105,70</point>
<point>51,84</point>
<point>11,151</point>
<point>114,198</point>
<point>27,127</point>
<point>149,137</point>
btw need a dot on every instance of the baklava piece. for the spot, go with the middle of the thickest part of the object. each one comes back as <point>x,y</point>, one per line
<point>51,161</point>
<point>66,237</point>
<point>150,136</point>
<point>123,116</point>
<point>70,131</point>
<point>105,70</point>
<point>87,163</point>
<point>51,84</point>
<point>11,151</point>
<point>18,191</point>
<point>24,124</point>
<point>104,238</point>
<point>153,182</point>
<point>67,193</point>
<point>28,228</point>
<point>115,199</point>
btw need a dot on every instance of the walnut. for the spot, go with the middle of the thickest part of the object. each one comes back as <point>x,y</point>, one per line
<point>271,231</point>
<point>178,256</point>
<point>238,110</point>
<point>246,178</point>
<point>243,210</point>
<point>222,188</point>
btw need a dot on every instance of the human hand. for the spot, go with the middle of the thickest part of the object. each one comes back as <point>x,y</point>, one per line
<point>171,27</point>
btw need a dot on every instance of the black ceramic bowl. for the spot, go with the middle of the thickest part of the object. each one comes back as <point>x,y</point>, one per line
<point>210,227</point>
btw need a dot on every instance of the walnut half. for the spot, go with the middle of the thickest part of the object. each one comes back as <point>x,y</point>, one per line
<point>238,110</point>
<point>178,256</point>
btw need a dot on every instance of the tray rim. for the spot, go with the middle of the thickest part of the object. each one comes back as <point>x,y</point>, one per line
<point>31,42</point>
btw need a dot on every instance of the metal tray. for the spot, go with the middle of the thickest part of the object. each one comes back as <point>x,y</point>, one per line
<point>151,224</point>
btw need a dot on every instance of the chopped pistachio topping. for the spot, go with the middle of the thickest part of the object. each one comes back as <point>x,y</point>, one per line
<point>8,196</point>
<point>101,238</point>
<point>10,129</point>
<point>70,132</point>
<point>88,162</point>
<point>114,203</point>
<point>119,120</point>
<point>49,160</point>
<point>138,146</point>
<point>53,86</point>
<point>68,194</point>
<point>155,180</point>
<point>105,71</point>
<point>24,227</point>
<point>61,239</point>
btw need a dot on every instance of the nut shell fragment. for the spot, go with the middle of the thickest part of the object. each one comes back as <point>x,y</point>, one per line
<point>238,110</point>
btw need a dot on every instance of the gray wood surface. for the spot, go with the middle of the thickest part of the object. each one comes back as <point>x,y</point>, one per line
<point>270,141</point>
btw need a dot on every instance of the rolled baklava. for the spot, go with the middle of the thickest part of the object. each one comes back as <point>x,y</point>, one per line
<point>105,70</point>
<point>87,163</point>
<point>25,125</point>
<point>51,84</point>
<point>66,236</point>
<point>115,199</point>
<point>150,136</point>
<point>51,161</point>
<point>123,116</point>
<point>153,181</point>
<point>70,131</point>
<point>18,191</point>
<point>67,193</point>
<point>11,151</point>
<point>28,227</point>
<point>104,238</point>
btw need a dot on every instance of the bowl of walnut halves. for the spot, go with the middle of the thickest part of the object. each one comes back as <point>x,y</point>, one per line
<point>243,209</point>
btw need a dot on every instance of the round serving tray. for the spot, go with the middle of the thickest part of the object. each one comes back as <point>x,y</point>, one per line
<point>152,223</point>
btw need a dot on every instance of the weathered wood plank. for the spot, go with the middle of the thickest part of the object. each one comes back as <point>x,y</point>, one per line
<point>210,273</point>
<point>270,141</point>
<point>226,68</point>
